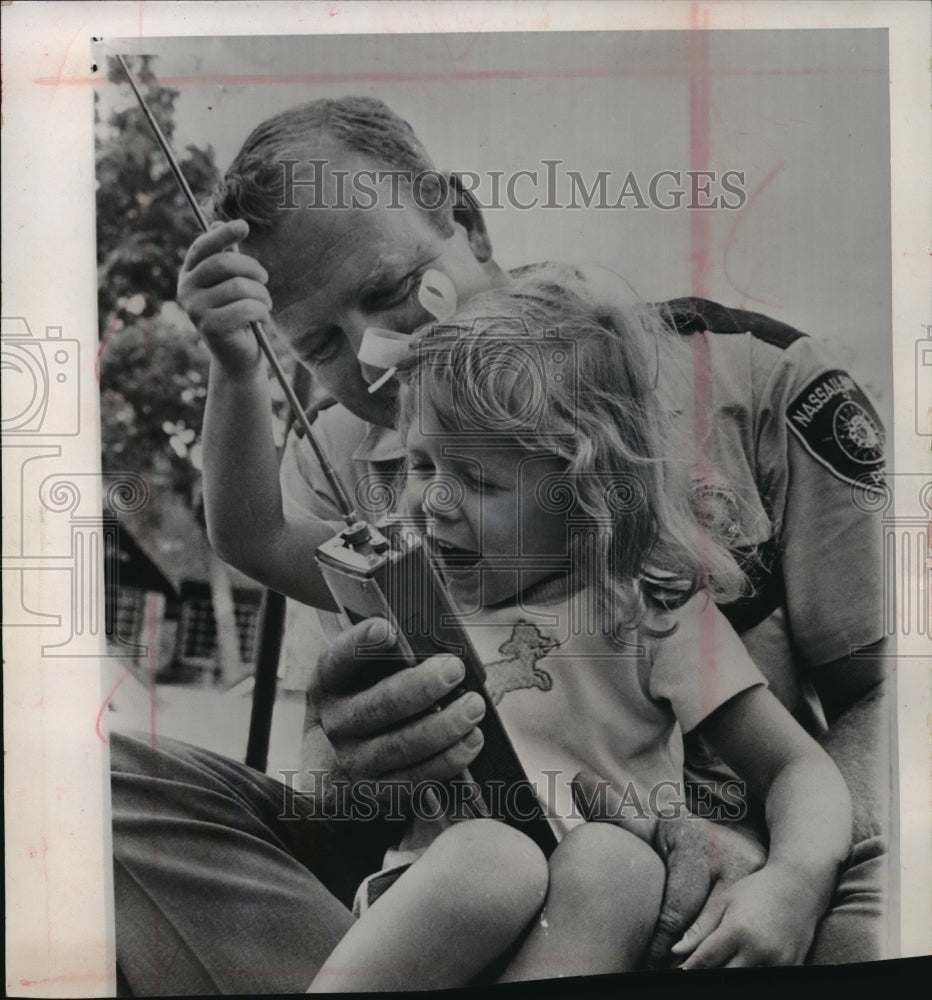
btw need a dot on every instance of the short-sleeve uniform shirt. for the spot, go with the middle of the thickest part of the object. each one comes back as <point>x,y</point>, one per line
<point>785,445</point>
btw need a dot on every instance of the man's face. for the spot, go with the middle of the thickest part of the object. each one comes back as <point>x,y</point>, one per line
<point>334,271</point>
<point>485,521</point>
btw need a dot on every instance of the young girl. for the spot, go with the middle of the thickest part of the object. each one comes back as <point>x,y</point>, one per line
<point>536,446</point>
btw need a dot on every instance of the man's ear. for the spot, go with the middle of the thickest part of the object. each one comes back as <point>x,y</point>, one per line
<point>468,214</point>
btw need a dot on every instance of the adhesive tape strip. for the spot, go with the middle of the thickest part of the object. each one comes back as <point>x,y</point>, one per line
<point>382,348</point>
<point>437,295</point>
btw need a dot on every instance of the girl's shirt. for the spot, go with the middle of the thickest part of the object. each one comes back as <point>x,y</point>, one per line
<point>572,699</point>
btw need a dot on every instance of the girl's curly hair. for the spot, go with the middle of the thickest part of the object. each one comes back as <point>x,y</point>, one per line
<point>542,362</point>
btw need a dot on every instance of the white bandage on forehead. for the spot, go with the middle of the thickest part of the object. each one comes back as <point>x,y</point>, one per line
<point>437,295</point>
<point>383,349</point>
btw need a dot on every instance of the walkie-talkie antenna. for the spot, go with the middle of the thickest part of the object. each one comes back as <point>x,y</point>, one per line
<point>347,511</point>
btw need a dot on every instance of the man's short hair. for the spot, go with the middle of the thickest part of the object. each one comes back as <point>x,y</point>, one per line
<point>253,187</point>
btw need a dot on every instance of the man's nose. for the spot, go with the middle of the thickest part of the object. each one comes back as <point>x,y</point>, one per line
<point>354,327</point>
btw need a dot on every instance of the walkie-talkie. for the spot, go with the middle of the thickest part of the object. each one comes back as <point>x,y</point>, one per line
<point>388,573</point>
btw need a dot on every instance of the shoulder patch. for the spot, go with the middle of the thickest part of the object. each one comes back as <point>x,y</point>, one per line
<point>836,423</point>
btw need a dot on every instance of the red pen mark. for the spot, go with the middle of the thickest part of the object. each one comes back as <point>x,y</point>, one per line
<point>110,331</point>
<point>103,708</point>
<point>71,977</point>
<point>697,61</point>
<point>697,64</point>
<point>732,238</point>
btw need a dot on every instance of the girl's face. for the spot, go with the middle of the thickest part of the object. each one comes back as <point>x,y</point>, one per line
<point>485,519</point>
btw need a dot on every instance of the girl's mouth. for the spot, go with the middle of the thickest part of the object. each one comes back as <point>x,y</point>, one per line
<point>452,556</point>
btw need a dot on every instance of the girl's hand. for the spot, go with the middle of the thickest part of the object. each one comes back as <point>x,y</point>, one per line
<point>768,918</point>
<point>222,290</point>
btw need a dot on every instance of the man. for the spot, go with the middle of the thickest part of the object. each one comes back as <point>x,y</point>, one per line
<point>332,270</point>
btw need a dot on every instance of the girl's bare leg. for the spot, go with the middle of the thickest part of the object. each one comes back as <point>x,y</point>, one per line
<point>603,900</point>
<point>455,911</point>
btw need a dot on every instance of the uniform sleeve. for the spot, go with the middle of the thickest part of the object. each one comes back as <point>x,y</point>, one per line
<point>702,664</point>
<point>821,450</point>
<point>304,489</point>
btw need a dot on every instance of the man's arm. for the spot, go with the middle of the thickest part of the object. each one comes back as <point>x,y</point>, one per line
<point>246,523</point>
<point>821,450</point>
<point>223,291</point>
<point>853,694</point>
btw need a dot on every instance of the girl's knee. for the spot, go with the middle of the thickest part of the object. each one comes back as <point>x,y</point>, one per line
<point>604,860</point>
<point>495,860</point>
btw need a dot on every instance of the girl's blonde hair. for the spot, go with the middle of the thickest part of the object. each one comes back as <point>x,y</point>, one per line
<point>541,362</point>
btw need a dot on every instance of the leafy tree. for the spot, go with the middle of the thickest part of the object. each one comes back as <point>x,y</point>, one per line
<point>144,224</point>
<point>152,367</point>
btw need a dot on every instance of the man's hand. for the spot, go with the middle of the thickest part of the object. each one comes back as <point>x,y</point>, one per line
<point>387,727</point>
<point>702,859</point>
<point>223,291</point>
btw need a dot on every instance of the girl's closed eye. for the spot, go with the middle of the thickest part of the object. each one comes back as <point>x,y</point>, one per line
<point>418,470</point>
<point>477,482</point>
<point>419,465</point>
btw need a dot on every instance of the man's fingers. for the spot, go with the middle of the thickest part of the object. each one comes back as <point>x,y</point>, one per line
<point>403,696</point>
<point>221,267</point>
<point>351,662</point>
<point>389,726</point>
<point>444,765</point>
<point>215,240</point>
<point>233,290</point>
<point>686,888</point>
<point>677,927</point>
<point>434,747</point>
<point>231,317</point>
<point>682,846</point>
<point>598,801</point>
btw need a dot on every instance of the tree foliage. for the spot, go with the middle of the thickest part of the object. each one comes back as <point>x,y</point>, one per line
<point>153,369</point>
<point>144,224</point>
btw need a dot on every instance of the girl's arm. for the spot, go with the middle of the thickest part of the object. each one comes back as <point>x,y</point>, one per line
<point>769,918</point>
<point>222,291</point>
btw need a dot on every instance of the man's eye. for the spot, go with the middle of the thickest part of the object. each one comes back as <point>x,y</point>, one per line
<point>395,295</point>
<point>325,350</point>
